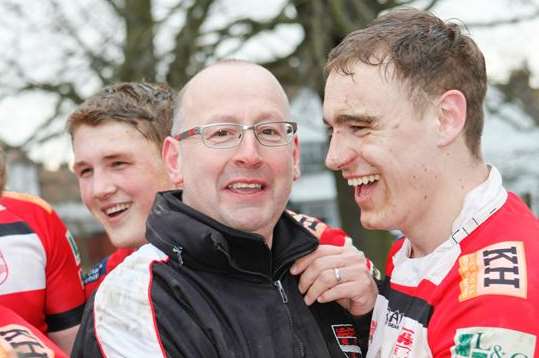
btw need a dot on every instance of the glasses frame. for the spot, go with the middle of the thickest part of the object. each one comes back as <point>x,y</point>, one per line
<point>243,128</point>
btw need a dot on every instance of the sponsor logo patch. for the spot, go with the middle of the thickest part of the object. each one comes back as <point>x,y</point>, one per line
<point>315,226</point>
<point>491,342</point>
<point>346,337</point>
<point>498,269</point>
<point>4,269</point>
<point>403,345</point>
<point>74,247</point>
<point>24,342</point>
<point>394,318</point>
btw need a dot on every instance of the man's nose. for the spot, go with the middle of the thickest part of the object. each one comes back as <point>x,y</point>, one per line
<point>339,154</point>
<point>103,186</point>
<point>248,151</point>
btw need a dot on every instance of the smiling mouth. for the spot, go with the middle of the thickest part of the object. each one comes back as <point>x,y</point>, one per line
<point>245,188</point>
<point>116,210</point>
<point>364,180</point>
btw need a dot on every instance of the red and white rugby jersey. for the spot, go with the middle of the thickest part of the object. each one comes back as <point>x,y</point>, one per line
<point>476,295</point>
<point>40,276</point>
<point>21,339</point>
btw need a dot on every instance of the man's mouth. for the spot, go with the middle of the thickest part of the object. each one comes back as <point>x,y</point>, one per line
<point>242,187</point>
<point>363,180</point>
<point>116,210</point>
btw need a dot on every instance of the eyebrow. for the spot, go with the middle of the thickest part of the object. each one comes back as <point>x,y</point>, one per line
<point>109,157</point>
<point>354,118</point>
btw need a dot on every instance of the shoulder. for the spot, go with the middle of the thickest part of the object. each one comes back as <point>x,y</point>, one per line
<point>123,311</point>
<point>25,201</point>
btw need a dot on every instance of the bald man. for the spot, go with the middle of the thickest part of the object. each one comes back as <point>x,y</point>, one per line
<point>214,280</point>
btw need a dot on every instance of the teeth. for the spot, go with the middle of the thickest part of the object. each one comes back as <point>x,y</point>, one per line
<point>245,186</point>
<point>116,208</point>
<point>363,180</point>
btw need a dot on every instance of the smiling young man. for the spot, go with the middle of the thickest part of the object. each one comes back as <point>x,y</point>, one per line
<point>214,279</point>
<point>117,136</point>
<point>403,101</point>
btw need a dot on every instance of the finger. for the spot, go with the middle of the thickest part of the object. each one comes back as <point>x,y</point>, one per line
<point>323,250</point>
<point>347,257</point>
<point>324,281</point>
<point>314,283</point>
<point>358,298</point>
<point>318,267</point>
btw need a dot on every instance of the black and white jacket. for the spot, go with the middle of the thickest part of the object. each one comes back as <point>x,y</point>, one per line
<point>201,289</point>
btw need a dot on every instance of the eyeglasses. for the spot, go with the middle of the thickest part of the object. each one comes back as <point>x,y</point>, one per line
<point>228,135</point>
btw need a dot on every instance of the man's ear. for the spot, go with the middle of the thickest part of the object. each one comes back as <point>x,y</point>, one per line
<point>296,157</point>
<point>172,159</point>
<point>451,116</point>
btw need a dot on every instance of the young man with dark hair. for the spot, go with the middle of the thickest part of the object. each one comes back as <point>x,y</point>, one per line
<point>403,102</point>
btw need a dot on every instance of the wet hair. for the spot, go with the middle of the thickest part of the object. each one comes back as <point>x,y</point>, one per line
<point>429,56</point>
<point>146,106</point>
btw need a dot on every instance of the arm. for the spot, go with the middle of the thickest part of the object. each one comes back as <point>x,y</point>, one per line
<point>65,338</point>
<point>65,295</point>
<point>18,337</point>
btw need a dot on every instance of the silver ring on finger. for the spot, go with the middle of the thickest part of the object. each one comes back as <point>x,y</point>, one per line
<point>337,274</point>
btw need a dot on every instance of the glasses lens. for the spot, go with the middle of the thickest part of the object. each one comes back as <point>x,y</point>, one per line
<point>274,133</point>
<point>221,135</point>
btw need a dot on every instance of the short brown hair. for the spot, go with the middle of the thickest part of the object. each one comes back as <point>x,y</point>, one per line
<point>146,106</point>
<point>429,55</point>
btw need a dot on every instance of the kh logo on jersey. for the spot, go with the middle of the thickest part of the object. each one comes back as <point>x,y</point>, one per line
<point>491,342</point>
<point>498,269</point>
<point>4,269</point>
<point>347,339</point>
<point>24,342</point>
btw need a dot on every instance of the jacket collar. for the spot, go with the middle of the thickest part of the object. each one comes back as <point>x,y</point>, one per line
<point>196,240</point>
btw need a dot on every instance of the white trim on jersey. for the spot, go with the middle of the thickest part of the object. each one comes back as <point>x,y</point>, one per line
<point>26,260</point>
<point>124,319</point>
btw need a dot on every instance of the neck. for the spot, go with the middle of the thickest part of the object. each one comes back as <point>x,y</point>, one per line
<point>435,225</point>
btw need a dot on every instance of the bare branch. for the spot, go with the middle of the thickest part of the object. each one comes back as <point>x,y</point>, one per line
<point>180,6</point>
<point>431,5</point>
<point>43,126</point>
<point>97,62</point>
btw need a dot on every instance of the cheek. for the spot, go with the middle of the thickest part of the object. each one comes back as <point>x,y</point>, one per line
<point>85,192</point>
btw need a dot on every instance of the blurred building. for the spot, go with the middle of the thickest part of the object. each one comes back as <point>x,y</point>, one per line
<point>314,193</point>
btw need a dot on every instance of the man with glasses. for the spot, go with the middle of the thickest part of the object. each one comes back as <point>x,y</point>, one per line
<point>214,280</point>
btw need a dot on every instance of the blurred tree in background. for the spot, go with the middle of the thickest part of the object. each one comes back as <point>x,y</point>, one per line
<point>104,41</point>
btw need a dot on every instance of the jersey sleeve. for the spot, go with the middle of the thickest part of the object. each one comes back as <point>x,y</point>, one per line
<point>64,298</point>
<point>21,339</point>
<point>65,290</point>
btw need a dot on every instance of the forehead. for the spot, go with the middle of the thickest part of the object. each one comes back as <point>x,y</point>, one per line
<point>110,138</point>
<point>367,91</point>
<point>239,93</point>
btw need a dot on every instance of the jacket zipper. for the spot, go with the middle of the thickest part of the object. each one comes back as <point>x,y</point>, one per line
<point>178,250</point>
<point>281,290</point>
<point>279,286</point>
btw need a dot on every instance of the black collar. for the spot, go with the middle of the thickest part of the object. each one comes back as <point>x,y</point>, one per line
<point>198,241</point>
